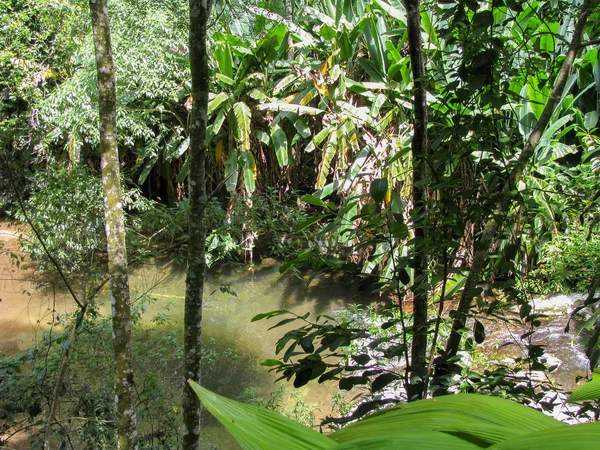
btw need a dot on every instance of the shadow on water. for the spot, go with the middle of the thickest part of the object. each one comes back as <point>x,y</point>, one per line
<point>234,344</point>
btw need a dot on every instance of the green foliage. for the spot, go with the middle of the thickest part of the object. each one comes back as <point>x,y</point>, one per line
<point>454,422</point>
<point>570,261</point>
<point>65,205</point>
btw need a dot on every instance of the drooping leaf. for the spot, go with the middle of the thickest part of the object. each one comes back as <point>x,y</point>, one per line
<point>280,144</point>
<point>481,419</point>
<point>589,391</point>
<point>231,171</point>
<point>290,107</point>
<point>248,170</point>
<point>242,124</point>
<point>257,428</point>
<point>581,437</point>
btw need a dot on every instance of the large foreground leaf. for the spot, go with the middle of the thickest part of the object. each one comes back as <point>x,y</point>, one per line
<point>580,437</point>
<point>475,418</point>
<point>413,440</point>
<point>258,428</point>
<point>589,391</point>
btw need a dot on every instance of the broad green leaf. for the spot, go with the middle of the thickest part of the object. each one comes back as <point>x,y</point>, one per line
<point>591,119</point>
<point>284,83</point>
<point>328,155</point>
<point>396,13</point>
<point>280,144</point>
<point>576,437</point>
<point>248,170</point>
<point>225,79</point>
<point>224,59</point>
<point>289,107</point>
<point>242,124</point>
<point>537,96</point>
<point>589,391</point>
<point>411,440</point>
<point>320,137</point>
<point>378,189</point>
<point>257,428</point>
<point>231,171</point>
<point>312,200</point>
<point>477,418</point>
<point>217,101</point>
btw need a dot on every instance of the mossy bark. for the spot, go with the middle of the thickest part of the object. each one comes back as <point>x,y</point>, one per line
<point>194,292</point>
<point>420,150</point>
<point>115,230</point>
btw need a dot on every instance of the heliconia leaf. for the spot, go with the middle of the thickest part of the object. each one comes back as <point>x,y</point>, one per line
<point>242,124</point>
<point>257,428</point>
<point>589,391</point>
<point>584,436</point>
<point>477,418</point>
<point>248,170</point>
<point>280,144</point>
<point>289,107</point>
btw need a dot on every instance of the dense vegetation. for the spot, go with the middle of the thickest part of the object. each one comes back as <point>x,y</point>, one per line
<point>313,158</point>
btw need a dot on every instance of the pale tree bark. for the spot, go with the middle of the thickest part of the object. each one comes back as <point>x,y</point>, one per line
<point>194,289</point>
<point>420,150</point>
<point>494,224</point>
<point>127,437</point>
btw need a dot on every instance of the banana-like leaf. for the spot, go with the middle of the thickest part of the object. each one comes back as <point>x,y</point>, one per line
<point>242,124</point>
<point>257,428</point>
<point>248,170</point>
<point>217,101</point>
<point>480,419</point>
<point>589,391</point>
<point>580,437</point>
<point>328,154</point>
<point>231,171</point>
<point>290,107</point>
<point>280,144</point>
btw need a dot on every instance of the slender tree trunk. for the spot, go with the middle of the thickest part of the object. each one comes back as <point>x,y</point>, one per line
<point>115,230</point>
<point>493,225</point>
<point>420,150</point>
<point>199,12</point>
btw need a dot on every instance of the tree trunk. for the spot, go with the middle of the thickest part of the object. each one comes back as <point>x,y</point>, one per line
<point>115,230</point>
<point>418,365</point>
<point>194,291</point>
<point>493,225</point>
